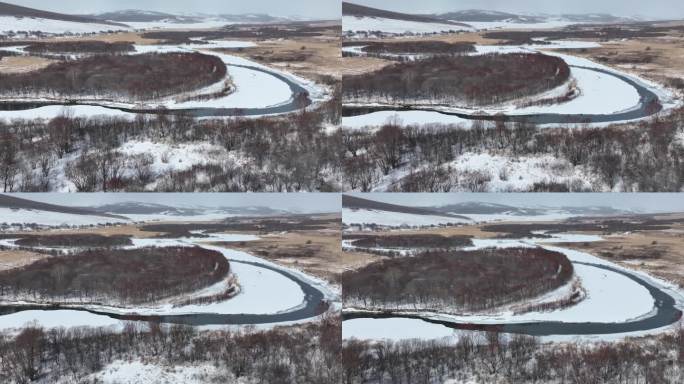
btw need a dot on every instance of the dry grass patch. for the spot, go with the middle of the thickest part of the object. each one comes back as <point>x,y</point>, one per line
<point>659,253</point>
<point>657,58</point>
<point>306,57</point>
<point>10,259</point>
<point>316,252</point>
<point>23,64</point>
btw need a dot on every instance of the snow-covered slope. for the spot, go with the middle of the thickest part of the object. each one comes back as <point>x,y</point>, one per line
<point>395,219</point>
<point>24,217</point>
<point>23,26</point>
<point>393,26</point>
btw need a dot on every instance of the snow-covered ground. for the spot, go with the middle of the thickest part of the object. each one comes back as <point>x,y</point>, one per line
<point>502,173</point>
<point>418,118</point>
<point>44,218</point>
<point>359,217</point>
<point>178,157</point>
<point>51,111</point>
<point>521,172</point>
<point>167,24</point>
<point>549,24</point>
<point>137,372</point>
<point>595,88</point>
<point>362,24</point>
<point>393,329</point>
<point>395,219</point>
<point>16,24</point>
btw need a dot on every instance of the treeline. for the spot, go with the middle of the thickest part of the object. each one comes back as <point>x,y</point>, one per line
<point>85,46</point>
<point>124,276</point>
<point>292,153</point>
<point>74,240</point>
<point>456,280</point>
<point>307,354</point>
<point>413,47</point>
<point>474,80</point>
<point>642,156</point>
<point>633,223</point>
<point>588,32</point>
<point>146,76</point>
<point>409,241</point>
<point>246,31</point>
<point>494,358</point>
<point>243,224</point>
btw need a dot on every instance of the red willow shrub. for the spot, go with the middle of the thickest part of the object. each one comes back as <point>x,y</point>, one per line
<point>408,47</point>
<point>456,280</point>
<point>141,77</point>
<point>410,241</point>
<point>130,276</point>
<point>80,47</point>
<point>480,80</point>
<point>74,240</point>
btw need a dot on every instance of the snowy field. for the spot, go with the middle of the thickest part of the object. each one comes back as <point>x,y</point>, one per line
<point>503,173</point>
<point>44,218</point>
<point>520,173</point>
<point>362,24</point>
<point>395,219</point>
<point>24,217</point>
<point>177,157</point>
<point>11,23</point>
<point>395,329</point>
<point>137,372</point>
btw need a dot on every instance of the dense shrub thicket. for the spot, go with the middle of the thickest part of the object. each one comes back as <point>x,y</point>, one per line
<point>458,280</point>
<point>496,358</point>
<point>474,80</point>
<point>84,46</point>
<point>410,241</point>
<point>644,156</point>
<point>138,77</point>
<point>413,47</point>
<point>86,240</point>
<point>292,153</point>
<point>126,276</point>
<point>308,354</point>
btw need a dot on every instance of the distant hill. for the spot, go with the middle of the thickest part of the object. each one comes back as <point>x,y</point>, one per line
<point>140,16</point>
<point>140,208</point>
<point>353,202</point>
<point>598,18</point>
<point>7,9</point>
<point>134,15</point>
<point>350,9</point>
<point>483,208</point>
<point>13,202</point>
<point>488,16</point>
<point>483,15</point>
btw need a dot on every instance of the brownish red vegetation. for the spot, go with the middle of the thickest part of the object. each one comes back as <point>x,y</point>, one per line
<point>411,47</point>
<point>141,77</point>
<point>129,276</point>
<point>481,80</point>
<point>74,240</point>
<point>456,280</point>
<point>80,47</point>
<point>432,241</point>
